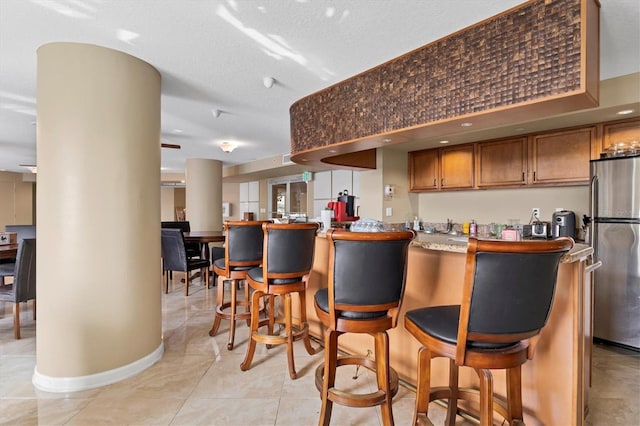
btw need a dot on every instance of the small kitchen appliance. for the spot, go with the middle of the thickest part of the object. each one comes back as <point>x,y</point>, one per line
<point>563,224</point>
<point>540,229</point>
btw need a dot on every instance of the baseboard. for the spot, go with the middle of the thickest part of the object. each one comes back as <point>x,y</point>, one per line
<point>76,384</point>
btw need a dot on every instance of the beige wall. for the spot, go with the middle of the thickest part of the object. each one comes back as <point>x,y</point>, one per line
<point>16,200</point>
<point>500,205</point>
<point>231,195</point>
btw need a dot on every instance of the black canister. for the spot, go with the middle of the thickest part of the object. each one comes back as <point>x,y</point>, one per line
<point>350,200</point>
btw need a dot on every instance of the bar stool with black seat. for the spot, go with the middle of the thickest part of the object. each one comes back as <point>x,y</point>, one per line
<point>507,295</point>
<point>366,280</point>
<point>287,260</point>
<point>174,257</point>
<point>242,252</point>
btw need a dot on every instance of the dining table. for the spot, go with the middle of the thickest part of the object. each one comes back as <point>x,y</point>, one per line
<point>8,251</point>
<point>204,238</point>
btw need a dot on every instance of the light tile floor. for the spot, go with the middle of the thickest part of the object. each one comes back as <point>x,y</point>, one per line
<point>199,382</point>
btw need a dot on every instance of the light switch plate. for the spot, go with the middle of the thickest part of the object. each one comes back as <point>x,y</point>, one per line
<point>389,211</point>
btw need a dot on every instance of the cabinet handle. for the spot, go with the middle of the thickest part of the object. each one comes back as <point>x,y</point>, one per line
<point>523,177</point>
<point>534,176</point>
<point>435,182</point>
<point>442,182</point>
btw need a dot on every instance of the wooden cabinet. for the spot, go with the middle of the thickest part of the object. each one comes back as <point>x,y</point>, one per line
<point>620,132</point>
<point>561,157</point>
<point>501,163</point>
<point>423,170</point>
<point>441,168</point>
<point>456,167</point>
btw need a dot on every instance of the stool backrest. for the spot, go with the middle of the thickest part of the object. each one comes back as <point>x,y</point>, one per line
<point>367,271</point>
<point>508,289</point>
<point>24,279</point>
<point>174,252</point>
<point>243,243</point>
<point>288,249</point>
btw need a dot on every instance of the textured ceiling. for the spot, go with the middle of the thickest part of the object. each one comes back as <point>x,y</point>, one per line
<point>213,55</point>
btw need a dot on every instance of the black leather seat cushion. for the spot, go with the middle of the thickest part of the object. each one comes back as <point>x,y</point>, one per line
<point>7,269</point>
<point>220,263</point>
<point>322,299</point>
<point>441,322</point>
<point>256,275</point>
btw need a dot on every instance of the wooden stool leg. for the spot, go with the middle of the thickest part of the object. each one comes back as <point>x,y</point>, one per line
<point>486,397</point>
<point>255,320</point>
<point>288,329</point>
<point>423,386</point>
<point>303,323</point>
<point>514,394</point>
<point>329,379</point>
<point>219,302</point>
<point>16,320</point>
<point>382,376</point>
<point>452,408</point>
<point>186,284</point>
<point>166,283</point>
<point>232,320</point>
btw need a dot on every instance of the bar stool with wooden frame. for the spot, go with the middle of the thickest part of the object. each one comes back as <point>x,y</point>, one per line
<point>367,276</point>
<point>286,264</point>
<point>242,252</point>
<point>507,296</point>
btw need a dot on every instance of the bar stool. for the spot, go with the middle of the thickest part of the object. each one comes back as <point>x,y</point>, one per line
<point>507,296</point>
<point>242,252</point>
<point>286,265</point>
<point>367,274</point>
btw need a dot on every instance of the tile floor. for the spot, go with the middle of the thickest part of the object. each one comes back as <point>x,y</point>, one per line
<point>199,382</point>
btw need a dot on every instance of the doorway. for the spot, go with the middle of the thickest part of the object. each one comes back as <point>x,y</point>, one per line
<point>288,198</point>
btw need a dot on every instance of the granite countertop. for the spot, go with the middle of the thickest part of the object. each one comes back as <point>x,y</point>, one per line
<point>458,244</point>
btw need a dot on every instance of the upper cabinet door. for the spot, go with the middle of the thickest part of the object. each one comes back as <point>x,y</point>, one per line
<point>561,157</point>
<point>501,163</point>
<point>456,167</point>
<point>624,133</point>
<point>423,170</point>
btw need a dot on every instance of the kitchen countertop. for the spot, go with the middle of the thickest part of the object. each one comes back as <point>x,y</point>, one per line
<point>458,244</point>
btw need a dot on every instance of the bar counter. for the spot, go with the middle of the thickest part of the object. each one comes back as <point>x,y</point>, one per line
<point>555,383</point>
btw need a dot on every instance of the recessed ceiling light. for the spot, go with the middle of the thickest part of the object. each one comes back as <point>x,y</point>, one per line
<point>386,140</point>
<point>466,124</point>
<point>520,129</point>
<point>333,151</point>
<point>304,159</point>
<point>625,112</point>
<point>444,141</point>
<point>177,131</point>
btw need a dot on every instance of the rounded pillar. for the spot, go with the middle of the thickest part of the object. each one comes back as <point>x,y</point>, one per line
<point>98,217</point>
<point>204,194</point>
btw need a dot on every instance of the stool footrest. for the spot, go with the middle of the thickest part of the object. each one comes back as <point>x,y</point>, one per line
<point>298,332</point>
<point>353,399</point>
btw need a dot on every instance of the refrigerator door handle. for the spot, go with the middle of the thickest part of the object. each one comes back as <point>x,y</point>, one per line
<point>593,234</point>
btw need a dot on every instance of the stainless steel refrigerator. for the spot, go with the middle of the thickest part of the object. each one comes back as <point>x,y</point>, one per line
<point>615,231</point>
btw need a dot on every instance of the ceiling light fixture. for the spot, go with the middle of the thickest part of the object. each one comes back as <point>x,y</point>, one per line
<point>268,82</point>
<point>386,140</point>
<point>625,112</point>
<point>466,124</point>
<point>444,142</point>
<point>228,146</point>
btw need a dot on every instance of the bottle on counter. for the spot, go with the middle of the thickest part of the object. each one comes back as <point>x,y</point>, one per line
<point>473,228</point>
<point>416,224</point>
<point>465,228</point>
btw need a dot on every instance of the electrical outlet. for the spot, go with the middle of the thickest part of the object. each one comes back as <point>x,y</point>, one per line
<point>535,212</point>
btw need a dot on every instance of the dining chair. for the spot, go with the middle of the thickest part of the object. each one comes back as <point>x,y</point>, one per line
<point>23,287</point>
<point>506,299</point>
<point>242,252</point>
<point>287,260</point>
<point>366,280</point>
<point>174,256</point>
<point>7,266</point>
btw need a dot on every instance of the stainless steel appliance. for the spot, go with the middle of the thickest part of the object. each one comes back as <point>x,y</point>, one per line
<point>540,229</point>
<point>615,213</point>
<point>563,224</point>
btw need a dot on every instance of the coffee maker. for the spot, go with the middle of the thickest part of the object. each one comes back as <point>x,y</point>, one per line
<point>563,224</point>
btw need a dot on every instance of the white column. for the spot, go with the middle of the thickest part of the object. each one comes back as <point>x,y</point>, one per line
<point>204,194</point>
<point>98,217</point>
